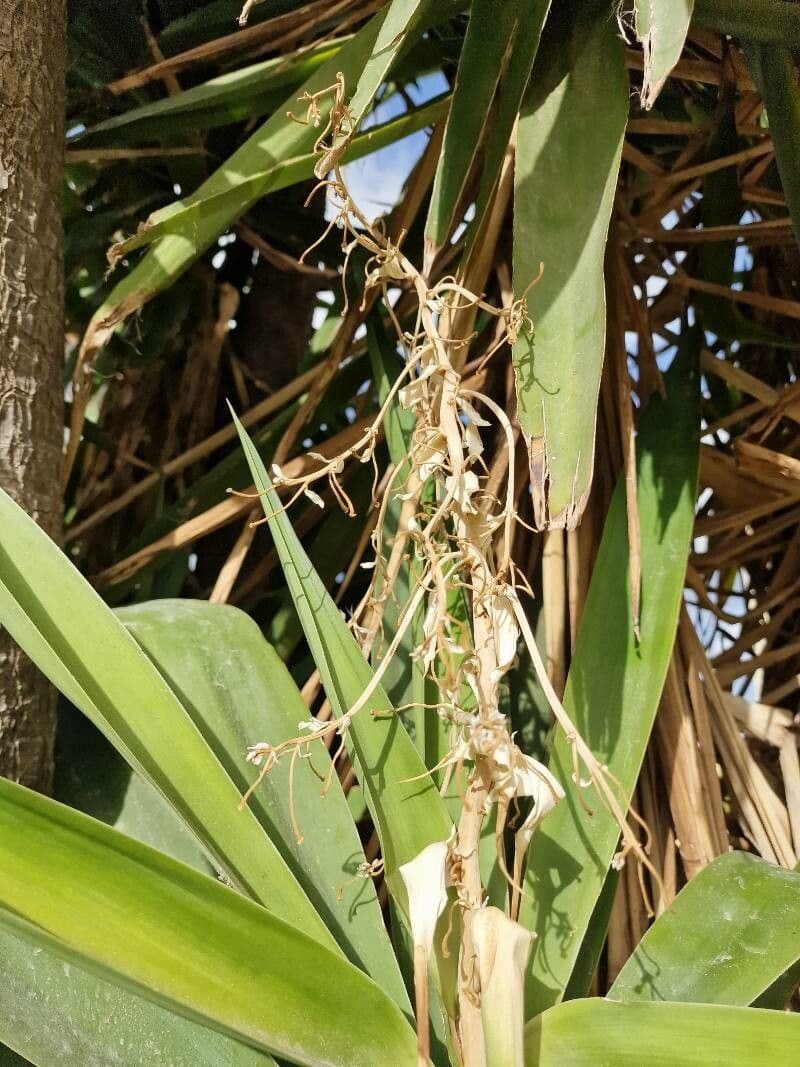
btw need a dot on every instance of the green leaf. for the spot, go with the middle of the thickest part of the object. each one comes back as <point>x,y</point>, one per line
<point>53,1012</point>
<point>67,630</point>
<point>568,152</point>
<point>409,814</point>
<point>661,26</point>
<point>283,629</point>
<point>92,777</point>
<point>404,680</point>
<point>494,33</point>
<point>729,934</point>
<point>249,92</point>
<point>615,682</point>
<point>483,58</point>
<point>231,97</point>
<point>238,692</point>
<point>9,1058</point>
<point>721,205</point>
<point>186,941</point>
<point>387,365</point>
<point>209,19</point>
<point>216,208</point>
<point>278,154</point>
<point>600,1033</point>
<point>198,495</point>
<point>524,46</point>
<point>775,75</point>
<point>399,21</point>
<point>765,21</point>
<point>592,947</point>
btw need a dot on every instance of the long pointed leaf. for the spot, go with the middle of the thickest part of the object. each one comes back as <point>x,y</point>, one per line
<point>399,21</point>
<point>661,26</point>
<point>729,934</point>
<point>52,1012</point>
<point>67,630</point>
<point>775,73</point>
<point>404,680</point>
<point>499,49</point>
<point>194,218</point>
<point>238,692</point>
<point>277,154</point>
<point>614,683</point>
<point>92,777</point>
<point>487,45</point>
<point>568,151</point>
<point>591,1033</point>
<point>232,96</point>
<point>409,815</point>
<point>765,21</point>
<point>185,940</point>
<point>511,91</point>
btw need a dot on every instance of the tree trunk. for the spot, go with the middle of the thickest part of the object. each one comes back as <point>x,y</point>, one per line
<point>32,86</point>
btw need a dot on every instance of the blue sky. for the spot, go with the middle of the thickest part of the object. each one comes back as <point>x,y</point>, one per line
<point>377,180</point>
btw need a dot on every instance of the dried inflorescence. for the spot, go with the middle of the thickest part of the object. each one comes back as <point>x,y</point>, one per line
<point>458,534</point>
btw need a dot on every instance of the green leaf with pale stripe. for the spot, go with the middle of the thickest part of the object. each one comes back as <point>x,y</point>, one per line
<point>67,630</point>
<point>569,144</point>
<point>614,683</point>
<point>728,935</point>
<point>409,814</point>
<point>186,941</point>
<point>600,1033</point>
<point>189,219</point>
<point>249,173</point>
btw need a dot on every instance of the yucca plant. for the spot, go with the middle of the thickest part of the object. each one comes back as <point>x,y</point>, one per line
<point>115,952</point>
<point>385,865</point>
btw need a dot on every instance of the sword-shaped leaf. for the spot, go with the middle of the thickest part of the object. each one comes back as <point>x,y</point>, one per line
<point>238,692</point>
<point>587,1033</point>
<point>568,151</point>
<point>86,652</point>
<point>764,21</point>
<point>753,939</point>
<point>661,26</point>
<point>185,941</point>
<point>52,1011</point>
<point>496,59</point>
<point>614,683</point>
<point>775,74</point>
<point>231,97</point>
<point>405,804</point>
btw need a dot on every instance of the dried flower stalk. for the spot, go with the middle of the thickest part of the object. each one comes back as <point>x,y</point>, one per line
<point>462,538</point>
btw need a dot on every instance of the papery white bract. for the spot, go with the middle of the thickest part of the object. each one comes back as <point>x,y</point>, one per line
<point>505,630</point>
<point>463,489</point>
<point>425,882</point>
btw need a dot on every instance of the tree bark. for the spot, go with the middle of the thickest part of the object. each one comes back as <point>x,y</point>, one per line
<point>32,87</point>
